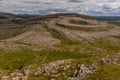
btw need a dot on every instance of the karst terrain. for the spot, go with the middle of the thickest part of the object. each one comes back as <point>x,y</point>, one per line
<point>58,47</point>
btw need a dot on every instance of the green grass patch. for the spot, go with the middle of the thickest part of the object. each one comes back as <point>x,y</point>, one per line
<point>15,60</point>
<point>18,60</point>
<point>107,72</point>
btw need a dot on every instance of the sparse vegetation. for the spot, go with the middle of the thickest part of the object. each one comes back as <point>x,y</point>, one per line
<point>3,17</point>
<point>10,32</point>
<point>17,21</point>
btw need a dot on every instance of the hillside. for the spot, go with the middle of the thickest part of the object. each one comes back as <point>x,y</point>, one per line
<point>58,47</point>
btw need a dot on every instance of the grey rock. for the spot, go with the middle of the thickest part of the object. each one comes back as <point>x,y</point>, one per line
<point>16,78</point>
<point>24,78</point>
<point>5,77</point>
<point>105,61</point>
<point>81,72</point>
<point>56,75</point>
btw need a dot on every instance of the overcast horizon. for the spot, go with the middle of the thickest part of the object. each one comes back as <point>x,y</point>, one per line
<point>91,7</point>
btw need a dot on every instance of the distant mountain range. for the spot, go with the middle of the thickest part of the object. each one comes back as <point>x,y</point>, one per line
<point>107,17</point>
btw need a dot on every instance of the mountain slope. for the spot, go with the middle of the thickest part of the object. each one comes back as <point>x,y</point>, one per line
<point>69,26</point>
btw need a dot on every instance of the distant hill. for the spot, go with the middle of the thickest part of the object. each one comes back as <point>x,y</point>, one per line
<point>107,17</point>
<point>62,24</point>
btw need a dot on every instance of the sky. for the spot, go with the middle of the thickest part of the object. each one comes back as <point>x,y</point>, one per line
<point>43,7</point>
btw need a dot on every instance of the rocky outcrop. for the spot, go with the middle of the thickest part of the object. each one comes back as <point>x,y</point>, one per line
<point>81,24</point>
<point>83,71</point>
<point>109,60</point>
<point>50,69</point>
<point>78,28</point>
<point>71,26</point>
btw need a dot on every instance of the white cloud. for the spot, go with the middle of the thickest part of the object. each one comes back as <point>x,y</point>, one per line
<point>90,7</point>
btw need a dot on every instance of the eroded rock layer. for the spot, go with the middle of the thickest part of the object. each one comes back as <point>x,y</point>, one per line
<point>72,26</point>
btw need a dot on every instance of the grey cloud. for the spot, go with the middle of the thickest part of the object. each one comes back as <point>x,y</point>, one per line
<point>90,7</point>
<point>75,1</point>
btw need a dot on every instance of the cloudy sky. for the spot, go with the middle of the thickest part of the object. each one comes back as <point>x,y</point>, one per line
<point>89,7</point>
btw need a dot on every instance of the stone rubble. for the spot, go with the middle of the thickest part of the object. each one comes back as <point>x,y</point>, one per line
<point>5,77</point>
<point>105,61</point>
<point>112,60</point>
<point>46,69</point>
<point>83,71</point>
<point>14,76</point>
